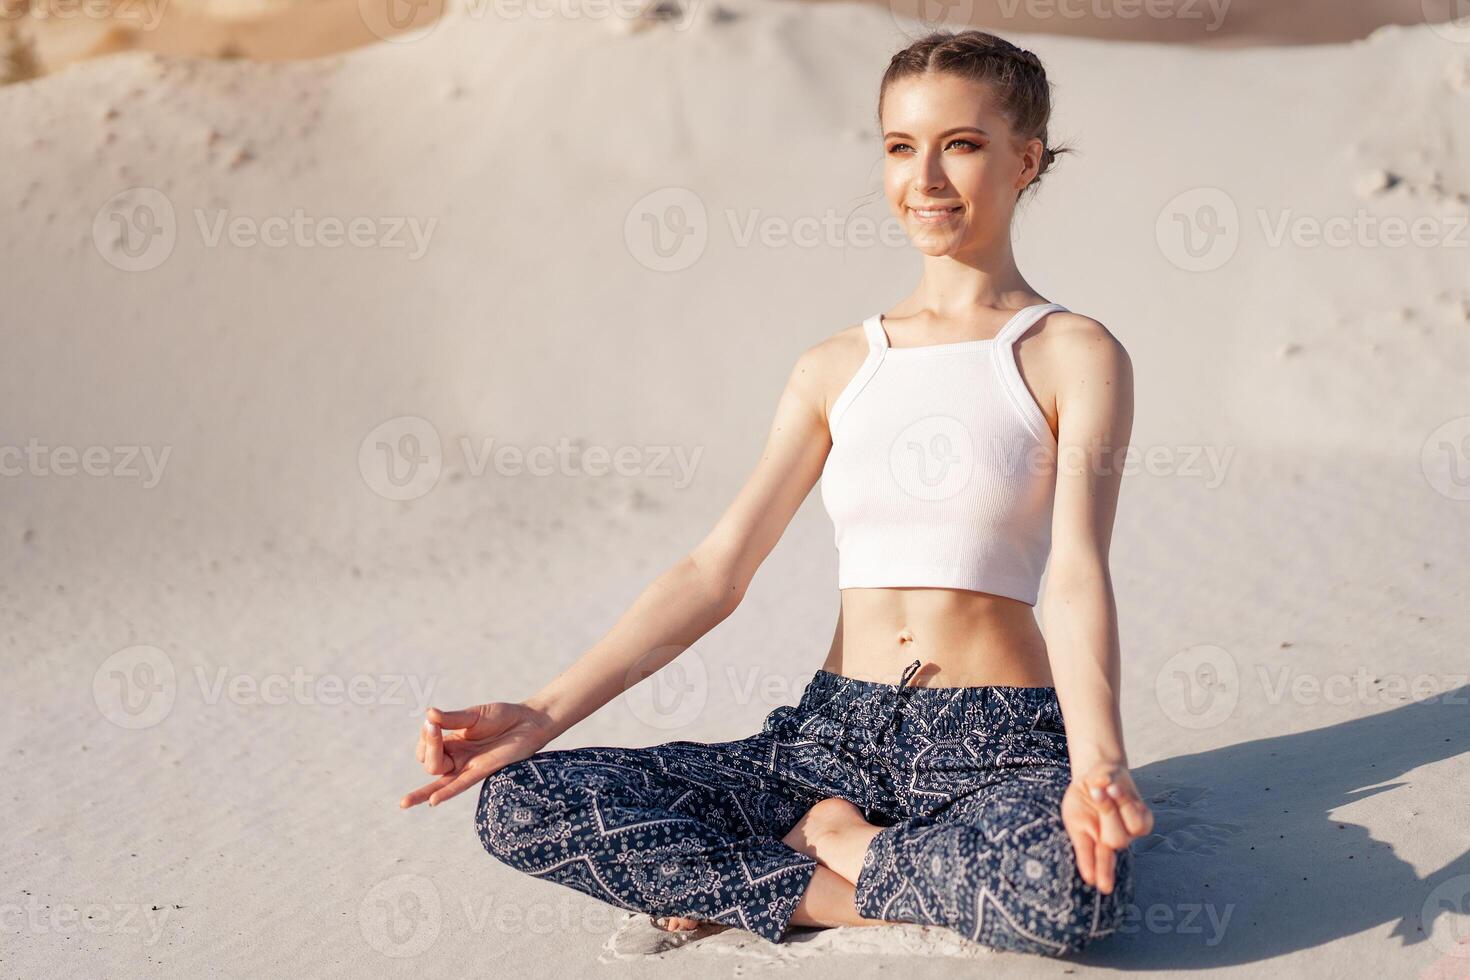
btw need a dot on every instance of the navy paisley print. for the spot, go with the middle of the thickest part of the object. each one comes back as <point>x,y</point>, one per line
<point>966,783</point>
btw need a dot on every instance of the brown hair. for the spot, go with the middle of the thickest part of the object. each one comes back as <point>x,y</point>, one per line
<point>1015,76</point>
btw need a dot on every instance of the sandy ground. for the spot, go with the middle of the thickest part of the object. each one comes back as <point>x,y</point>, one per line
<point>251,528</point>
<point>38,37</point>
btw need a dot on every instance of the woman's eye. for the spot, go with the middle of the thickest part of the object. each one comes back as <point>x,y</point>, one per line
<point>904,146</point>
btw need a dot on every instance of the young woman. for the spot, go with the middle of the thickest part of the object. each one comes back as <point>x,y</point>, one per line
<point>925,774</point>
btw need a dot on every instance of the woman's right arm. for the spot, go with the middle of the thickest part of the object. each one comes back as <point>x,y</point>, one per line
<point>683,604</point>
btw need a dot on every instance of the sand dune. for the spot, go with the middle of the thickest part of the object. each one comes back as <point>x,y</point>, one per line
<point>43,36</point>
<point>266,321</point>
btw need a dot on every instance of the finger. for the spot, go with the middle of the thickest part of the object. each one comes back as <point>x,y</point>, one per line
<point>455,786</point>
<point>455,719</point>
<point>1086,857</point>
<point>1111,830</point>
<point>1101,792</point>
<point>1137,817</point>
<point>487,763</point>
<point>434,760</point>
<point>1105,868</point>
<point>418,751</point>
<point>424,792</point>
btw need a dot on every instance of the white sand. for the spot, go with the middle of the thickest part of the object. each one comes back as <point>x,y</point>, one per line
<point>1299,834</point>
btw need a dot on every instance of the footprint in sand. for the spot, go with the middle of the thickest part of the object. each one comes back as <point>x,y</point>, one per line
<point>1177,832</point>
<point>1188,835</point>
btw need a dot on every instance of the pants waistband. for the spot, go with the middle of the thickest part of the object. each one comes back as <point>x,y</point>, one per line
<point>993,709</point>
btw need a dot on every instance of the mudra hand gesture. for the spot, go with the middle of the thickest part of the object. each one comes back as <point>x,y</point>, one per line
<point>463,747</point>
<point>1103,812</point>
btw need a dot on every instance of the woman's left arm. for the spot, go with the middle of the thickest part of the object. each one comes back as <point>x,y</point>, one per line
<point>1102,808</point>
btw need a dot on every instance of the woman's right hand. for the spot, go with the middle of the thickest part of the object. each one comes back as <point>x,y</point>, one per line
<point>463,747</point>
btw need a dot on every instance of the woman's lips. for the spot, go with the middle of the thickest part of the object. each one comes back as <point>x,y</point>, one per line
<point>932,216</point>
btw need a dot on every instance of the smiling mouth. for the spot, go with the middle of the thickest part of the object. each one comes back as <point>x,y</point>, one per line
<point>934,214</point>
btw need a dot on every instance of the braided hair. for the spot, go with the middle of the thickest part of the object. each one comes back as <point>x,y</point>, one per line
<point>1015,75</point>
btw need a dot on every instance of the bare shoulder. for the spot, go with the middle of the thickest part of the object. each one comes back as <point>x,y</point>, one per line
<point>1081,347</point>
<point>823,369</point>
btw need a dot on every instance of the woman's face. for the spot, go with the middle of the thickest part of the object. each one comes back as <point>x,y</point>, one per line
<point>945,146</point>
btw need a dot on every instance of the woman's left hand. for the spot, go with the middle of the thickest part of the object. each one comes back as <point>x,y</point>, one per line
<point>1103,812</point>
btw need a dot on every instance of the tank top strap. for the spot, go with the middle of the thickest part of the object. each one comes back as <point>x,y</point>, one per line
<point>1023,321</point>
<point>877,339</point>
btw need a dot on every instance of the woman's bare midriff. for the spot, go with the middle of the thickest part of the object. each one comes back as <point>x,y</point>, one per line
<point>965,639</point>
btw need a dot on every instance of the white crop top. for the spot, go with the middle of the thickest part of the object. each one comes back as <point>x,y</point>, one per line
<point>942,470</point>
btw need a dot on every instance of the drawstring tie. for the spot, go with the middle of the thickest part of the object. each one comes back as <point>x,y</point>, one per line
<point>895,723</point>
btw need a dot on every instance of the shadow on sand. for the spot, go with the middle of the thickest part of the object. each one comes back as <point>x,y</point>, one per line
<point>1246,861</point>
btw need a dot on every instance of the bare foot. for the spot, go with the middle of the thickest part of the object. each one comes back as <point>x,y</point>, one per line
<point>676,923</point>
<point>835,833</point>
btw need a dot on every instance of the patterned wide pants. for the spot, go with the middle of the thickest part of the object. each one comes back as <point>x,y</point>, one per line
<point>966,783</point>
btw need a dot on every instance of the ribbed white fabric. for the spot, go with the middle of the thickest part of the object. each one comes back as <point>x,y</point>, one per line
<point>942,470</point>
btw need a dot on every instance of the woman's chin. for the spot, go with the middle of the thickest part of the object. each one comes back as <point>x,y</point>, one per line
<point>934,241</point>
<point>934,245</point>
